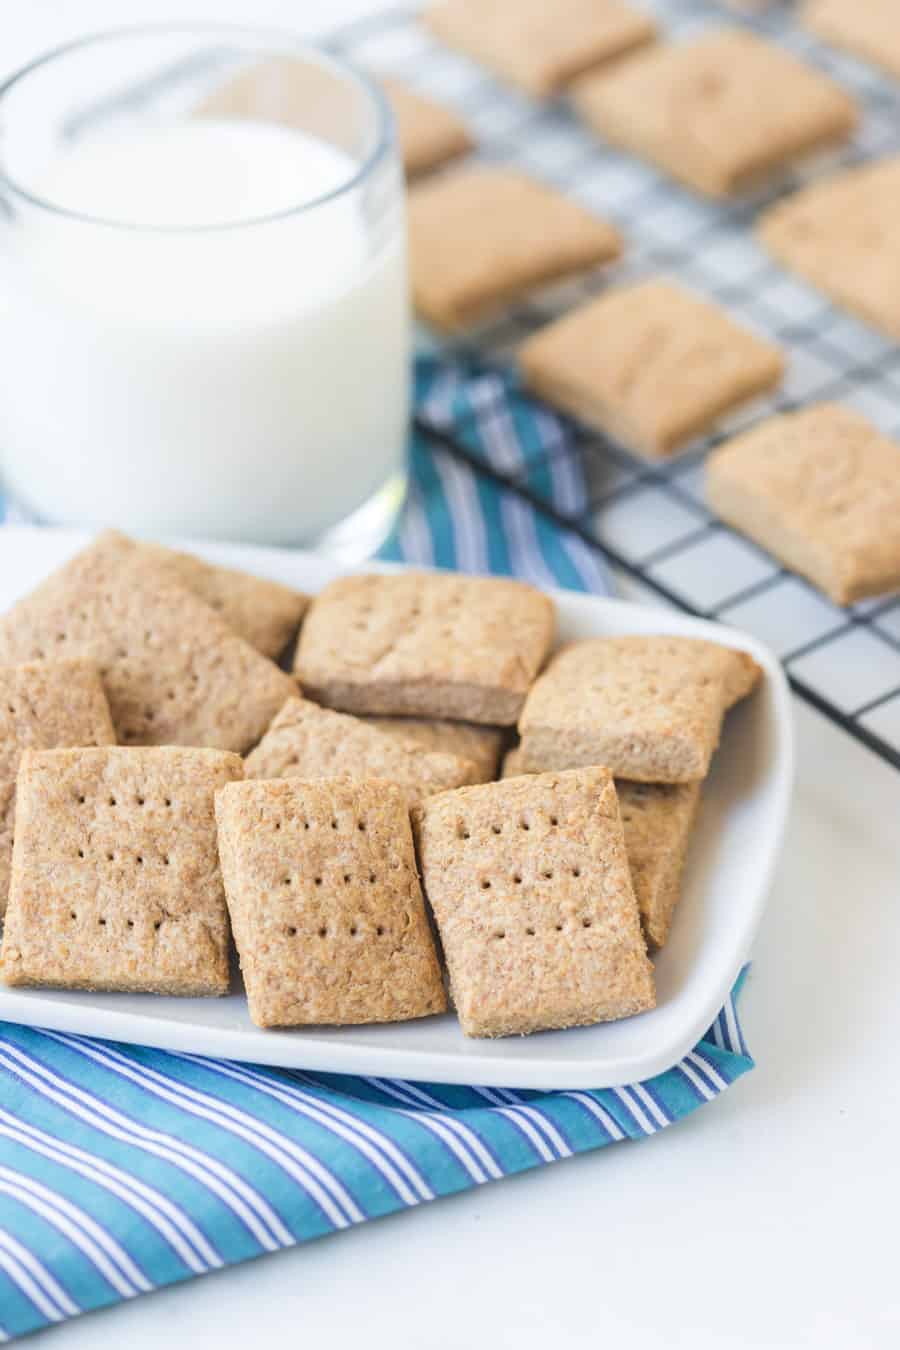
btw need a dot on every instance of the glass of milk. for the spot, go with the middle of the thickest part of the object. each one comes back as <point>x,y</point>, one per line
<point>204,312</point>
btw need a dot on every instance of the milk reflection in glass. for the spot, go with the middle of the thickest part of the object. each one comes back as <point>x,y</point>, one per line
<point>187,351</point>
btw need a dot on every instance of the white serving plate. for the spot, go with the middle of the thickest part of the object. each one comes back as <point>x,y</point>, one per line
<point>727,879</point>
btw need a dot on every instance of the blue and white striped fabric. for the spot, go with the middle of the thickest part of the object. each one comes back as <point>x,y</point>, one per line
<point>124,1169</point>
<point>458,518</point>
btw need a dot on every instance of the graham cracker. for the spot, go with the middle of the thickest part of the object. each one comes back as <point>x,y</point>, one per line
<point>306,741</point>
<point>479,745</point>
<point>481,237</point>
<point>867,28</point>
<point>536,46</point>
<point>820,489</point>
<point>430,134</point>
<point>44,705</point>
<point>49,704</point>
<point>720,113</point>
<point>262,612</point>
<point>650,708</point>
<point>532,895</point>
<point>325,903</point>
<point>425,644</point>
<point>651,365</point>
<point>841,235</point>
<point>657,819</point>
<point>115,876</point>
<point>173,671</point>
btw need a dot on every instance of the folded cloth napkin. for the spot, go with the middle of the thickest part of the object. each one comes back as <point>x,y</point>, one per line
<point>123,1169</point>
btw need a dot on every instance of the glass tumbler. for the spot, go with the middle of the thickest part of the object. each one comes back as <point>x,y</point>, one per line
<point>204,309</point>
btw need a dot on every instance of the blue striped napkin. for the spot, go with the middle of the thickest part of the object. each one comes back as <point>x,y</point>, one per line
<point>123,1169</point>
<point>459,518</point>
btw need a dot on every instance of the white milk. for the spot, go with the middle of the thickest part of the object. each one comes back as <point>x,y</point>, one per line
<point>245,382</point>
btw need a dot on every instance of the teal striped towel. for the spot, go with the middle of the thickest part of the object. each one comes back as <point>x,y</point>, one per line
<point>123,1169</point>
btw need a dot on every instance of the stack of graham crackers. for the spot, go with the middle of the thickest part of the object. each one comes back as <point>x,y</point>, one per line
<point>166,786</point>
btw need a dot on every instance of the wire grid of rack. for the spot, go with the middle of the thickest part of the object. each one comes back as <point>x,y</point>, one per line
<point>650,521</point>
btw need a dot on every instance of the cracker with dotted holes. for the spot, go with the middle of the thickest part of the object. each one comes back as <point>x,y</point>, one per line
<point>650,708</point>
<point>481,237</point>
<point>820,489</point>
<point>539,46</point>
<point>841,235</point>
<point>115,876</point>
<point>325,903</point>
<point>425,644</point>
<point>479,745</point>
<point>529,883</point>
<point>430,134</point>
<point>698,109</point>
<point>44,705</point>
<point>651,364</point>
<point>262,612</point>
<point>867,28</point>
<point>173,671</point>
<point>308,741</point>
<point>657,819</point>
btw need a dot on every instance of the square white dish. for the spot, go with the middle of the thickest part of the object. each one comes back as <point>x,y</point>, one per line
<point>736,843</point>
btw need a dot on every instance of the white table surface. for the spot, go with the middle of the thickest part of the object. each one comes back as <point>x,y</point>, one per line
<point>766,1220</point>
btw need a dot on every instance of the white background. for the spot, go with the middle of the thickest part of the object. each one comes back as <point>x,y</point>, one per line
<point>766,1220</point>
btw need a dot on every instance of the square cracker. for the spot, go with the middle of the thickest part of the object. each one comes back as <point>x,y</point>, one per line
<point>698,109</point>
<point>657,819</point>
<point>530,887</point>
<point>430,133</point>
<point>173,671</point>
<point>867,28</point>
<point>425,644</point>
<point>115,875</point>
<point>819,488</point>
<point>479,745</point>
<point>43,705</point>
<point>841,234</point>
<point>262,612</point>
<point>536,45</point>
<point>481,237</point>
<point>651,364</point>
<point>650,708</point>
<point>325,903</point>
<point>306,741</point>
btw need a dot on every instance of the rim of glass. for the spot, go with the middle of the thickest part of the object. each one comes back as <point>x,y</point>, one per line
<point>283,43</point>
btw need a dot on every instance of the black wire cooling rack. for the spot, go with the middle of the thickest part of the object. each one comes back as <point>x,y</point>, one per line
<point>650,522</point>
